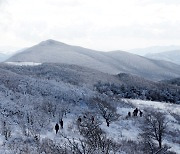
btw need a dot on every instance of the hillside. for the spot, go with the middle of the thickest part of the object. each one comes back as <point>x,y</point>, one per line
<point>175,81</point>
<point>171,56</point>
<point>71,74</point>
<point>34,98</point>
<point>115,62</point>
<point>121,85</point>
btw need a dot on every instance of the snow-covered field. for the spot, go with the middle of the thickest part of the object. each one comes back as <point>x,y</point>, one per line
<point>23,63</point>
<point>161,106</point>
<point>169,110</point>
<point>125,128</point>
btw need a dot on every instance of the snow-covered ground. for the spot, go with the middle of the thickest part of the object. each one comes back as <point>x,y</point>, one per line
<point>125,128</point>
<point>32,100</point>
<point>23,63</point>
<point>166,107</point>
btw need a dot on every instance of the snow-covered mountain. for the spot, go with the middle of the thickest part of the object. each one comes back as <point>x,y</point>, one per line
<point>172,56</point>
<point>109,62</point>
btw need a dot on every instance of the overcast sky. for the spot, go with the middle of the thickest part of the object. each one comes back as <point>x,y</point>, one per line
<point>97,24</point>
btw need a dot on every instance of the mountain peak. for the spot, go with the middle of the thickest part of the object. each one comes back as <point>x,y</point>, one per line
<point>51,42</point>
<point>51,51</point>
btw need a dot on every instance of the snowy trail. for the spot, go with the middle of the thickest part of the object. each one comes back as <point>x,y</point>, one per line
<point>168,107</point>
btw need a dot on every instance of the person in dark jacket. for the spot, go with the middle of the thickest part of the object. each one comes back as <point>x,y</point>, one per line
<point>135,112</point>
<point>107,122</point>
<point>92,119</point>
<point>56,127</point>
<point>61,123</point>
<point>79,119</point>
<point>140,113</point>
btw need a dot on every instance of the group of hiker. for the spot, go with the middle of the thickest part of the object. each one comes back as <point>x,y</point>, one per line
<point>85,117</point>
<point>92,119</point>
<point>78,120</point>
<point>135,113</point>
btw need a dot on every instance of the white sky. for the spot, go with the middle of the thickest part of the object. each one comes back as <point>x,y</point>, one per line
<point>97,24</point>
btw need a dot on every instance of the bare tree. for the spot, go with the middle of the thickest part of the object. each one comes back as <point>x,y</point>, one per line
<point>107,111</point>
<point>48,146</point>
<point>5,129</point>
<point>154,129</point>
<point>93,140</point>
<point>49,107</point>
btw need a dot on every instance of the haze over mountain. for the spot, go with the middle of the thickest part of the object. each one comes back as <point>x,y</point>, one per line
<point>154,49</point>
<point>114,62</point>
<point>172,56</point>
<point>3,57</point>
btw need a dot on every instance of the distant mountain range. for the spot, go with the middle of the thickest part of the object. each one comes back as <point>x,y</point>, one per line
<point>114,62</point>
<point>172,56</point>
<point>154,49</point>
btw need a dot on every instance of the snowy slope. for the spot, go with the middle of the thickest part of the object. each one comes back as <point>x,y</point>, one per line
<point>126,129</point>
<point>73,74</point>
<point>109,62</point>
<point>23,63</point>
<point>171,111</point>
<point>34,98</point>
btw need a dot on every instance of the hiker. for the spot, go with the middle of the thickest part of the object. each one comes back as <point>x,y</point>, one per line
<point>92,119</point>
<point>79,119</point>
<point>56,127</point>
<point>107,122</point>
<point>135,112</point>
<point>140,113</point>
<point>129,114</point>
<point>61,123</point>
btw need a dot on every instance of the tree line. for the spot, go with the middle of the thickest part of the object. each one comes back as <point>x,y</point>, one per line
<point>161,93</point>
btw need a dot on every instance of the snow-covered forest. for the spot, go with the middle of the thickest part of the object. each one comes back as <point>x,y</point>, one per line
<point>96,115</point>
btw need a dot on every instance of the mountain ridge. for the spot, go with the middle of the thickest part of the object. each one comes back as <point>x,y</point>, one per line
<point>113,62</point>
<point>154,49</point>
